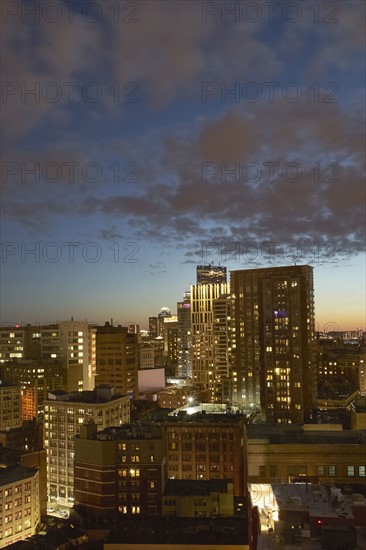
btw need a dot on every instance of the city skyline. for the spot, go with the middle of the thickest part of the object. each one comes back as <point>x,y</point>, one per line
<point>324,322</point>
<point>143,138</point>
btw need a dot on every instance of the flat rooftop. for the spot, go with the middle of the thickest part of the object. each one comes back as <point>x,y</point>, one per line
<point>195,487</point>
<point>295,434</point>
<point>165,531</point>
<point>18,473</point>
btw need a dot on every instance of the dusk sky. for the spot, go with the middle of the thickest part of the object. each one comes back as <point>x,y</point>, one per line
<point>142,138</point>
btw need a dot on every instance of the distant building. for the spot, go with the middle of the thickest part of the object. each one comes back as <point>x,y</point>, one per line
<point>36,378</point>
<point>184,337</point>
<point>339,369</point>
<point>174,397</point>
<point>20,342</point>
<point>63,417</point>
<point>170,335</point>
<point>68,341</point>
<point>10,407</point>
<point>211,274</point>
<point>19,504</point>
<point>117,359</point>
<point>147,356</point>
<point>164,313</point>
<point>222,383</point>
<point>76,350</point>
<point>203,297</point>
<point>153,327</point>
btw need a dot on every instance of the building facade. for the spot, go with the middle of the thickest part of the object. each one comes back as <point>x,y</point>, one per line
<point>64,413</point>
<point>203,297</point>
<point>273,342</point>
<point>211,274</point>
<point>10,407</point>
<point>184,337</point>
<point>208,447</point>
<point>19,504</point>
<point>198,498</point>
<point>121,470</point>
<point>36,378</point>
<point>316,453</point>
<point>117,359</point>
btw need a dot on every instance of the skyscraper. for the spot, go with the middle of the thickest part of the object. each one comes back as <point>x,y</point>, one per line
<point>184,337</point>
<point>222,348</point>
<point>203,296</point>
<point>273,341</point>
<point>211,274</point>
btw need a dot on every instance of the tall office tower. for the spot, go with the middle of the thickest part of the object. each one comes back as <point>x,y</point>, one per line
<point>170,335</point>
<point>75,349</point>
<point>211,274</point>
<point>203,342</point>
<point>222,385</point>
<point>117,359</point>
<point>64,414</point>
<point>153,327</point>
<point>184,338</point>
<point>273,341</point>
<point>163,314</point>
<point>10,407</point>
<point>36,378</point>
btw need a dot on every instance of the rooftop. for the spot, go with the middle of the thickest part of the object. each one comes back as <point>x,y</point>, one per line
<point>165,531</point>
<point>129,431</point>
<point>308,435</point>
<point>18,473</point>
<point>195,487</point>
<point>101,394</point>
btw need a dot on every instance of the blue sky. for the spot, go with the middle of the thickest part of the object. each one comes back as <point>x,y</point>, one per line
<point>145,164</point>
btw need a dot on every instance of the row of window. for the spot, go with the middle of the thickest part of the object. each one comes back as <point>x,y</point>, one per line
<point>322,470</point>
<point>17,489</point>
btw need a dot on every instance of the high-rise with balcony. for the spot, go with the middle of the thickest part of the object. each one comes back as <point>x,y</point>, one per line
<point>273,347</point>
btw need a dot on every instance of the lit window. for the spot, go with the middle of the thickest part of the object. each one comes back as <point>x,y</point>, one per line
<point>350,471</point>
<point>331,471</point>
<point>362,471</point>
